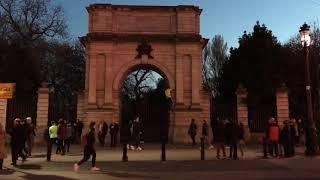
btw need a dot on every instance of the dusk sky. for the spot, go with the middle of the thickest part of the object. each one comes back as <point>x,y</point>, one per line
<point>226,17</point>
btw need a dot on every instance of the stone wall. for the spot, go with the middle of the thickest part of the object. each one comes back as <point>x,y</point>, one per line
<point>282,104</point>
<point>3,112</point>
<point>42,113</point>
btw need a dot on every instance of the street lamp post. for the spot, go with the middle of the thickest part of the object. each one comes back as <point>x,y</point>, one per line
<point>311,138</point>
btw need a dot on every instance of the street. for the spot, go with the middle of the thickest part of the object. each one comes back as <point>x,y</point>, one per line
<point>182,163</point>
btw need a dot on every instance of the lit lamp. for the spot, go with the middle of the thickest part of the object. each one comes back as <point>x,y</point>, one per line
<point>311,137</point>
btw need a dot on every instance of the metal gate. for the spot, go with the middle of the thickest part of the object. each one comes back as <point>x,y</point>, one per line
<point>21,108</point>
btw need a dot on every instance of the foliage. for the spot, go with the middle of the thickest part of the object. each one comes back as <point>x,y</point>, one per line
<point>31,20</point>
<point>255,63</point>
<point>214,57</point>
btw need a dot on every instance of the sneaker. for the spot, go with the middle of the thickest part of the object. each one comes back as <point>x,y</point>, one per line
<point>211,147</point>
<point>128,147</point>
<point>76,167</point>
<point>95,169</point>
<point>139,148</point>
<point>132,148</point>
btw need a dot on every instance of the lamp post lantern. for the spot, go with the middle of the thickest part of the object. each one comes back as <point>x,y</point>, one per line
<point>311,139</point>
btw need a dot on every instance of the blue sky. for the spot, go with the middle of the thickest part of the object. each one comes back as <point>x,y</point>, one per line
<point>226,17</point>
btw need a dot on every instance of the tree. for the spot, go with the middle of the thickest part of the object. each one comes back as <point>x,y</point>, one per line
<point>139,83</point>
<point>64,67</point>
<point>255,63</point>
<point>31,20</point>
<point>214,57</point>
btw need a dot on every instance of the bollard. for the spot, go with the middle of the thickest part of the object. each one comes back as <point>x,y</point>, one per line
<point>125,155</point>
<point>202,148</point>
<point>163,150</point>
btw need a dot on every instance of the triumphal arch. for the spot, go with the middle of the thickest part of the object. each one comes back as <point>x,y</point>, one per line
<point>123,38</point>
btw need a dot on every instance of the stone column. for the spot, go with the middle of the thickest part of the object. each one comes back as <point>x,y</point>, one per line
<point>195,81</point>
<point>80,107</point>
<point>92,96</point>
<point>108,83</point>
<point>42,111</point>
<point>242,109</point>
<point>179,80</point>
<point>282,104</point>
<point>3,112</point>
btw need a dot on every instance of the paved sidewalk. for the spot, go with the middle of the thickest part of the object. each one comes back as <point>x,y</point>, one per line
<point>183,163</point>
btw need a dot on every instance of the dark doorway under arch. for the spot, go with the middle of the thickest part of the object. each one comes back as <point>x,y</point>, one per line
<point>143,95</point>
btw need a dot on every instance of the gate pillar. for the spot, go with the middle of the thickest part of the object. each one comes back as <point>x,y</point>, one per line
<point>3,112</point>
<point>42,111</point>
<point>242,109</point>
<point>282,104</point>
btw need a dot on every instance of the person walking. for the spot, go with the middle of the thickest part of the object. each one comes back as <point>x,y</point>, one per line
<point>219,138</point>
<point>89,150</point>
<point>137,131</point>
<point>53,134</point>
<point>102,132</point>
<point>62,136</point>
<point>193,131</point>
<point>79,129</point>
<point>30,135</point>
<point>205,133</point>
<point>70,132</point>
<point>234,140</point>
<point>241,138</point>
<point>114,128</point>
<point>3,151</point>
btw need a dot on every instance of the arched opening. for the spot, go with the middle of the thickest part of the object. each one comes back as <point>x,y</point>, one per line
<point>143,94</point>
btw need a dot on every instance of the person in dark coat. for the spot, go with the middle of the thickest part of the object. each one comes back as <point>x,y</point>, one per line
<point>228,134</point>
<point>205,132</point>
<point>102,132</point>
<point>88,150</point>
<point>288,139</point>
<point>62,137</point>
<point>219,138</point>
<point>137,130</point>
<point>234,139</point>
<point>114,128</point>
<point>193,131</point>
<point>241,138</point>
<point>79,129</point>
<point>17,141</point>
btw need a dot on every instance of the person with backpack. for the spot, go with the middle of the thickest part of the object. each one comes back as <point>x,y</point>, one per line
<point>88,141</point>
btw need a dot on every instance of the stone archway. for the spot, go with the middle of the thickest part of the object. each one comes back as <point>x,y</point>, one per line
<point>166,38</point>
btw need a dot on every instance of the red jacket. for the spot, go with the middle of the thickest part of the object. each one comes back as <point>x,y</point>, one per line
<point>274,133</point>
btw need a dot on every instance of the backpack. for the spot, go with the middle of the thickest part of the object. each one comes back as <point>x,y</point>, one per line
<point>84,139</point>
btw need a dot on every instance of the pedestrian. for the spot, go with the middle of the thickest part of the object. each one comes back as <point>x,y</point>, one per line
<point>296,132</point>
<point>30,135</point>
<point>137,131</point>
<point>205,133</point>
<point>193,131</point>
<point>228,134</point>
<point>234,139</point>
<point>17,142</point>
<point>114,128</point>
<point>219,138</point>
<point>79,129</point>
<point>89,150</point>
<point>53,135</point>
<point>102,132</point>
<point>62,136</point>
<point>70,132</point>
<point>3,151</point>
<point>282,141</point>
<point>241,138</point>
<point>274,132</point>
<point>25,129</point>
<point>266,141</point>
<point>288,138</point>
